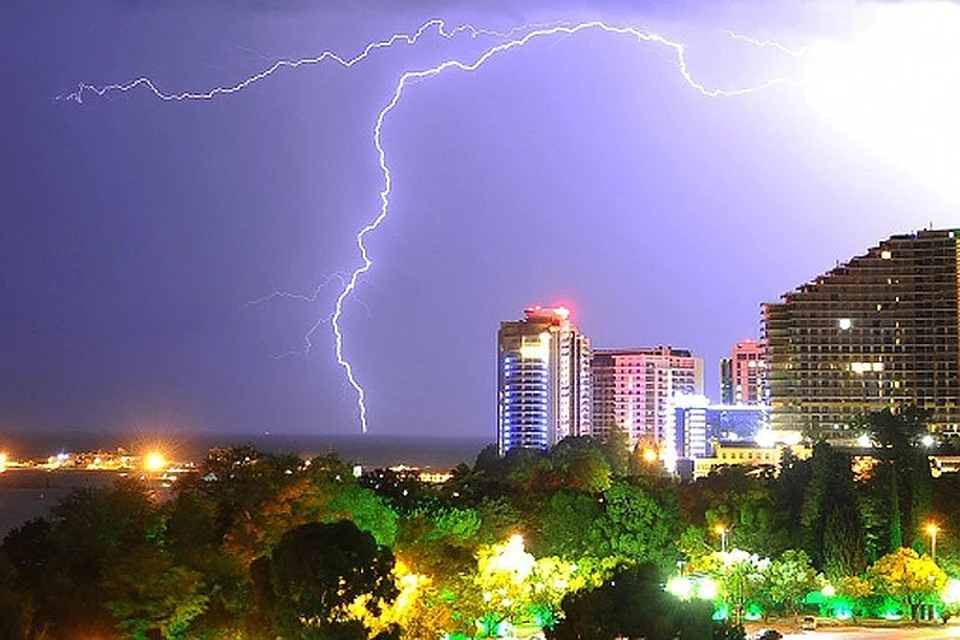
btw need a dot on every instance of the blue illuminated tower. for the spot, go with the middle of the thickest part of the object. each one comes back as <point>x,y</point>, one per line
<point>543,380</point>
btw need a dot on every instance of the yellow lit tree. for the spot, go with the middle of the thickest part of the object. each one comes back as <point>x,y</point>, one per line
<point>908,577</point>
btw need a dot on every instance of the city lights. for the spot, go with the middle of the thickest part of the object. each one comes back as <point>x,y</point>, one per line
<point>721,531</point>
<point>932,530</point>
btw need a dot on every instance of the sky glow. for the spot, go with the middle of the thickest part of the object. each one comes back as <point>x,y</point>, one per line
<point>517,37</point>
<point>893,87</point>
<point>175,237</point>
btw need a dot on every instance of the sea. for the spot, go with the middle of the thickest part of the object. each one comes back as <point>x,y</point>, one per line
<point>30,493</point>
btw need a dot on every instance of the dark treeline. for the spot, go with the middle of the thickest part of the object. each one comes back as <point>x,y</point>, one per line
<point>266,546</point>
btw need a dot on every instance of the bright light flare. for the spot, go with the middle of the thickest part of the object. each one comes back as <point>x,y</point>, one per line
<point>154,462</point>
<point>951,592</point>
<point>3,461</point>
<point>893,87</point>
<point>680,587</point>
<point>766,439</point>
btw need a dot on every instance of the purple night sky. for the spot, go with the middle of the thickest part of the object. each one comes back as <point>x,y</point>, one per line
<point>581,169</point>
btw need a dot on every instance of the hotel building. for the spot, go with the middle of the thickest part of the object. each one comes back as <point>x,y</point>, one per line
<point>748,372</point>
<point>543,380</point>
<point>879,331</point>
<point>633,390</point>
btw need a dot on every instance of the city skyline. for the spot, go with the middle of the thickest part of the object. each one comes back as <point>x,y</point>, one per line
<point>144,242</point>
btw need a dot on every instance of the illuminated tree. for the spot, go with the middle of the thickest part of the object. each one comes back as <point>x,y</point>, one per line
<point>908,577</point>
<point>149,593</point>
<point>788,580</point>
<point>741,577</point>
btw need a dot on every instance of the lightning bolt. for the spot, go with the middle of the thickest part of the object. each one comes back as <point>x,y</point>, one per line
<point>773,44</point>
<point>513,39</point>
<point>438,25</point>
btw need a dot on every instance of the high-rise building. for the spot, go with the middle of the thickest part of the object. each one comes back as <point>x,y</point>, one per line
<point>633,388</point>
<point>726,381</point>
<point>877,332</point>
<point>748,366</point>
<point>543,380</point>
<point>688,423</point>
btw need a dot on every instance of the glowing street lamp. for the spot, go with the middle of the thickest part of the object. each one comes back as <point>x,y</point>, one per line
<point>722,532</point>
<point>154,462</point>
<point>932,530</point>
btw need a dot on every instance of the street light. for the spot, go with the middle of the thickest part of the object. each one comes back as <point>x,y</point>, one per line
<point>933,530</point>
<point>722,532</point>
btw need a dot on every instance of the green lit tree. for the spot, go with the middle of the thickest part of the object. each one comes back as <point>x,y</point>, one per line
<point>788,580</point>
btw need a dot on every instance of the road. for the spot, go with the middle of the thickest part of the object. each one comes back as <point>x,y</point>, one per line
<point>861,633</point>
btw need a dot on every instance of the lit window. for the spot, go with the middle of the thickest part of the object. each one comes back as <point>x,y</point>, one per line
<point>886,254</point>
<point>845,323</point>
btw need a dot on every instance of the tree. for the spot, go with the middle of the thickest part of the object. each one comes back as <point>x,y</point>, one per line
<point>240,480</point>
<point>788,580</point>
<point>788,494</point>
<point>632,603</point>
<point>148,592</point>
<point>579,463</point>
<point>740,501</point>
<point>635,526</point>
<point>830,518</point>
<point>317,570</point>
<point>563,530</point>
<point>616,447</point>
<point>741,577</point>
<point>908,577</point>
<point>16,607</point>
<point>898,435</point>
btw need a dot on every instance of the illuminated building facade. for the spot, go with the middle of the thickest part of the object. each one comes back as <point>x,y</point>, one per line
<point>748,365</point>
<point>543,380</point>
<point>879,331</point>
<point>633,388</point>
<point>687,422</point>
<point>726,381</point>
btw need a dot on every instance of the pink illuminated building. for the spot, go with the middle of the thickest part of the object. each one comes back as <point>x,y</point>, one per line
<point>634,390</point>
<point>748,370</point>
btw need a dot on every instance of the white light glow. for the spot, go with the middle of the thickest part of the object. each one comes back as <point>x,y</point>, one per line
<point>951,592</point>
<point>893,87</point>
<point>765,438</point>
<point>680,587</point>
<point>708,589</point>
